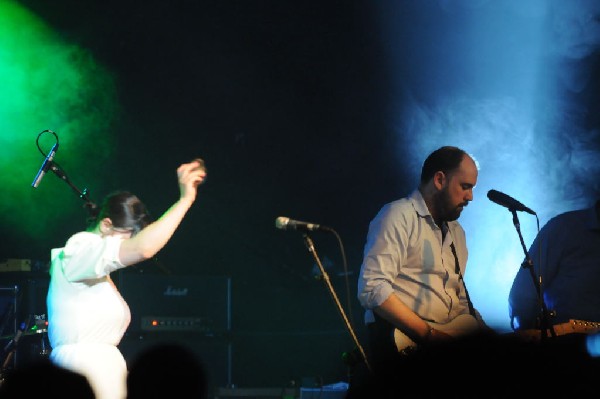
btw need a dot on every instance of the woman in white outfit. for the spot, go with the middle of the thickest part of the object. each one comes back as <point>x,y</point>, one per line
<point>87,315</point>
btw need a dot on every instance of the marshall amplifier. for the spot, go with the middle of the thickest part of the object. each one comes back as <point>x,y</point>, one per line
<point>177,304</point>
<point>194,311</point>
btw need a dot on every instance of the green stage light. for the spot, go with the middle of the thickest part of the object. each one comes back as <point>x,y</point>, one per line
<point>48,83</point>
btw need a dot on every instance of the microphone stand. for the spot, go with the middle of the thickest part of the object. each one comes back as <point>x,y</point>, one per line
<point>11,347</point>
<point>82,194</point>
<point>528,263</point>
<point>311,248</point>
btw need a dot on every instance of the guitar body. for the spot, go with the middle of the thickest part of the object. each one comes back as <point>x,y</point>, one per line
<point>461,325</point>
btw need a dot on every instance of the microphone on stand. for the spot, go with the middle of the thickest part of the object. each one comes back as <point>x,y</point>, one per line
<point>45,166</point>
<point>284,223</point>
<point>508,202</point>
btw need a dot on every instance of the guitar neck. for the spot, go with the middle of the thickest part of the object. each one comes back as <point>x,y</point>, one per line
<point>573,326</point>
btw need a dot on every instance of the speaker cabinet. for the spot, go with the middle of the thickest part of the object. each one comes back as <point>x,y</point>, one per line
<point>8,310</point>
<point>194,311</point>
<point>31,291</point>
<point>8,323</point>
<point>169,303</point>
<point>214,354</point>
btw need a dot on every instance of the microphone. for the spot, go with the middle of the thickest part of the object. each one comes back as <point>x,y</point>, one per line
<point>45,166</point>
<point>284,223</point>
<point>508,202</point>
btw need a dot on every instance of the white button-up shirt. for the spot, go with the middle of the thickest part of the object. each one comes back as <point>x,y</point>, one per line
<point>405,255</point>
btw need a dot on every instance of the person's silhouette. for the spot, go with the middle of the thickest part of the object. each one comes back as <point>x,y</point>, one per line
<point>167,370</point>
<point>45,377</point>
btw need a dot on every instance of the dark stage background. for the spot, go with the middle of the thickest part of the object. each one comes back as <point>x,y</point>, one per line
<point>285,104</point>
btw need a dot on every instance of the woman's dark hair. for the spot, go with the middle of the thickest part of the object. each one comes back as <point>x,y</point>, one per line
<point>125,210</point>
<point>445,159</point>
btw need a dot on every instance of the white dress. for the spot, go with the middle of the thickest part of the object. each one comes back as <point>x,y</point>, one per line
<point>87,316</point>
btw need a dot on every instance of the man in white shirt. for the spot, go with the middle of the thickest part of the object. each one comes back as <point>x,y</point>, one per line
<point>411,279</point>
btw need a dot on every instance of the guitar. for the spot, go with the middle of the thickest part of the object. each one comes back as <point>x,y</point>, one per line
<point>570,327</point>
<point>461,325</point>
